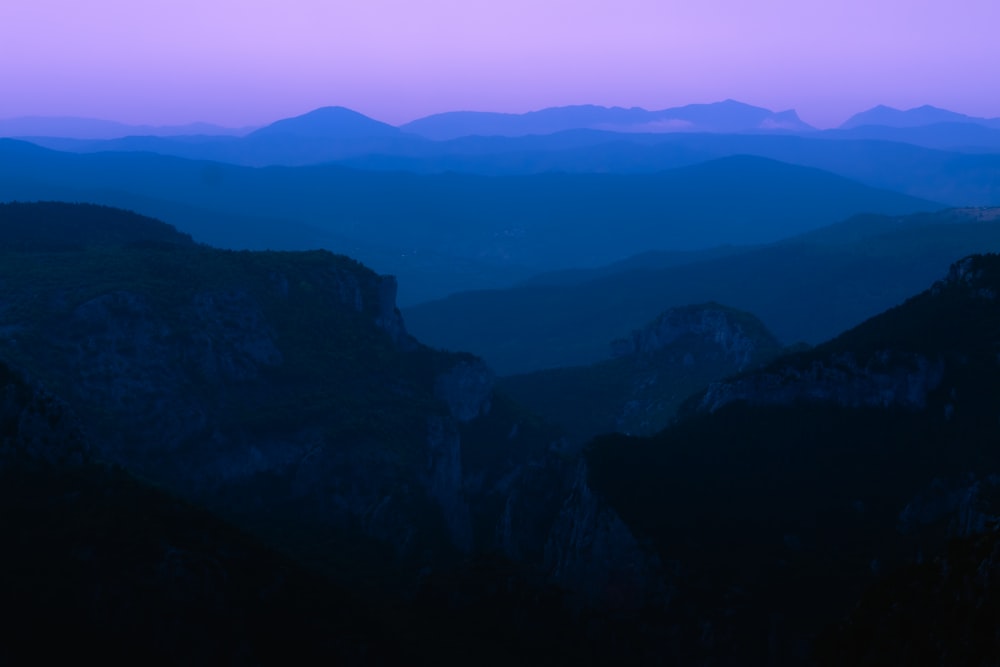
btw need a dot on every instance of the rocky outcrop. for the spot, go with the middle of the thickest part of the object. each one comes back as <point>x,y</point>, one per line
<point>887,379</point>
<point>282,391</point>
<point>36,427</point>
<point>639,391</point>
<point>552,518</point>
<point>591,552</point>
<point>467,389</point>
<point>969,274</point>
<point>389,318</point>
<point>734,336</point>
<point>445,481</point>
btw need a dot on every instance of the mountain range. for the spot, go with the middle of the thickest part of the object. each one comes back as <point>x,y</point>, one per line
<point>728,116</point>
<point>96,129</point>
<point>218,455</point>
<point>443,232</point>
<point>916,117</point>
<point>805,289</point>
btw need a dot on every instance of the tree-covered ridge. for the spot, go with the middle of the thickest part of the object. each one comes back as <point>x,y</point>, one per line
<point>54,226</point>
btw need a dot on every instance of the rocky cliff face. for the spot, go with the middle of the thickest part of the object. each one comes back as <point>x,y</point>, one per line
<point>726,333</point>
<point>36,427</point>
<point>282,390</point>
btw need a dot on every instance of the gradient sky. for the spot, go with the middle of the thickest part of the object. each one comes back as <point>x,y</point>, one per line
<point>249,62</point>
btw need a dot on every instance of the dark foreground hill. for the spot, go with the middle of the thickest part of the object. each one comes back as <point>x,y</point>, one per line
<point>805,289</point>
<point>788,491</point>
<point>97,564</point>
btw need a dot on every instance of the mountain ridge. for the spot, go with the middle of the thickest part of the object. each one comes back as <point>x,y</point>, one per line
<point>856,268</point>
<point>96,128</point>
<point>725,116</point>
<point>914,117</point>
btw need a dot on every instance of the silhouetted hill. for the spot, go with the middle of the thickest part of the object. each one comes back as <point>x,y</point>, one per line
<point>918,116</point>
<point>328,123</point>
<point>790,490</point>
<point>61,226</point>
<point>805,289</point>
<point>727,116</point>
<point>319,136</point>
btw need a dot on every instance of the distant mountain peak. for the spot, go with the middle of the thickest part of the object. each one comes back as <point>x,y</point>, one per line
<point>916,117</point>
<point>330,122</point>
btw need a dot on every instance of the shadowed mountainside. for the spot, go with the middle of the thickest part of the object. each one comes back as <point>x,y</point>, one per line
<point>788,491</point>
<point>281,391</point>
<point>97,563</point>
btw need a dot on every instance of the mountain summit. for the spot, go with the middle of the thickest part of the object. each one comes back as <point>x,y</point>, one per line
<point>329,123</point>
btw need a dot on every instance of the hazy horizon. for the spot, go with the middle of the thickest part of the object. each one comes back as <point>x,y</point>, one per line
<point>198,121</point>
<point>250,63</point>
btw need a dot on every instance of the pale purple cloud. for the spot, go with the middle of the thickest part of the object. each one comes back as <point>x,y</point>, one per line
<point>252,61</point>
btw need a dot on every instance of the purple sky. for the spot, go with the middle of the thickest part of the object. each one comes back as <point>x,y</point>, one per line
<point>248,62</point>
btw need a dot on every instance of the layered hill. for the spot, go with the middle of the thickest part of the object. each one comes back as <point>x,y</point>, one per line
<point>445,231</point>
<point>96,129</point>
<point>805,289</point>
<point>788,491</point>
<point>925,152</point>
